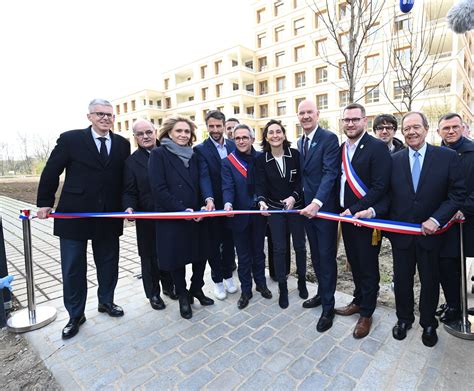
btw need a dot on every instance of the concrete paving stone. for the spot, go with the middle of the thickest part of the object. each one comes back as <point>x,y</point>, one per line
<point>255,306</point>
<point>240,333</point>
<point>278,363</point>
<point>245,346</point>
<point>217,347</point>
<point>413,363</point>
<point>193,345</point>
<point>64,377</point>
<point>339,329</point>
<point>263,334</point>
<point>199,315</point>
<point>374,379</point>
<point>283,382</point>
<point>68,352</point>
<point>215,319</point>
<point>429,380</point>
<point>333,361</point>
<point>167,361</point>
<point>258,381</point>
<point>290,332</point>
<point>320,347</point>
<point>196,381</point>
<point>217,331</point>
<point>341,383</point>
<point>270,346</point>
<point>227,380</point>
<point>315,381</point>
<point>239,318</point>
<point>301,367</point>
<point>136,379</point>
<point>370,345</point>
<point>142,358</point>
<point>104,379</point>
<point>164,381</point>
<point>350,343</point>
<point>257,321</point>
<point>381,331</point>
<point>280,321</point>
<point>166,345</point>
<point>248,364</point>
<point>394,347</point>
<point>86,374</point>
<point>223,362</point>
<point>404,380</point>
<point>193,331</point>
<point>357,364</point>
<point>172,329</point>
<point>192,363</point>
<point>297,347</point>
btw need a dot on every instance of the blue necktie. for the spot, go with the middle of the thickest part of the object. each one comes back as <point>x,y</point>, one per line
<point>416,170</point>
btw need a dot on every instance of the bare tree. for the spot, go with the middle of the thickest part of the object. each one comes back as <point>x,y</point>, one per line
<point>351,26</point>
<point>27,159</point>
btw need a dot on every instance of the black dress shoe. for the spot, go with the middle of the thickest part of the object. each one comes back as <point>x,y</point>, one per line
<point>157,303</point>
<point>325,321</point>
<point>450,315</point>
<point>72,327</point>
<point>399,331</point>
<point>185,306</point>
<point>244,301</point>
<point>264,291</point>
<point>111,309</point>
<point>202,298</point>
<point>470,311</point>
<point>314,302</point>
<point>429,336</point>
<point>170,293</point>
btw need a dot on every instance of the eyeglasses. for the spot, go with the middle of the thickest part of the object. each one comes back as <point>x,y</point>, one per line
<point>148,133</point>
<point>101,115</point>
<point>381,128</point>
<point>355,121</point>
<point>243,138</point>
<point>454,128</point>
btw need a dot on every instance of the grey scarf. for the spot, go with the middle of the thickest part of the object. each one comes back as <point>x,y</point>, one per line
<point>184,153</point>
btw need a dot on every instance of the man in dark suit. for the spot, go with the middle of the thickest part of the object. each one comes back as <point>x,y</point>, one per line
<point>93,159</point>
<point>221,246</point>
<point>137,197</point>
<point>365,175</point>
<point>427,188</point>
<point>319,150</point>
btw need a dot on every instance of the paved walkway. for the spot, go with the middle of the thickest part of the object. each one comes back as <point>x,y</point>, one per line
<point>221,348</point>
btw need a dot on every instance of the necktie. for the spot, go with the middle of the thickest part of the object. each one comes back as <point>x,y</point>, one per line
<point>305,146</point>
<point>416,170</point>
<point>104,155</point>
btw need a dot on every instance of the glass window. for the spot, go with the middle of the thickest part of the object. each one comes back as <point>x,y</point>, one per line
<point>322,101</point>
<point>300,79</point>
<point>321,75</point>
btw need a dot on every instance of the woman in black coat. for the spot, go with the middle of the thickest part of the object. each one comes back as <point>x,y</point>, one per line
<point>278,186</point>
<point>174,180</point>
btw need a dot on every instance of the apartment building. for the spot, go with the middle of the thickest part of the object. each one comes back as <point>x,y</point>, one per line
<point>295,58</point>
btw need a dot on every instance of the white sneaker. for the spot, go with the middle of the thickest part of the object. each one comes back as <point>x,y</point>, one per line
<point>230,286</point>
<point>219,291</point>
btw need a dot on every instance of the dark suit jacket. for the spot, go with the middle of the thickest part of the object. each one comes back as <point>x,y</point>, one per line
<point>89,185</point>
<point>210,169</point>
<point>175,188</point>
<point>372,164</point>
<point>137,195</point>
<point>272,186</point>
<point>441,192</point>
<point>320,169</point>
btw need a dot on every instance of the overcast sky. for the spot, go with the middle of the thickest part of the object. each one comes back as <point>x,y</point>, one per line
<point>57,55</point>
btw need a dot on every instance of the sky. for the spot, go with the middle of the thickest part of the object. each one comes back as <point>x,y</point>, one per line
<point>57,55</point>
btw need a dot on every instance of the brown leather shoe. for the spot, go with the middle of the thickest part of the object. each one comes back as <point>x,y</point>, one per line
<point>362,327</point>
<point>349,309</point>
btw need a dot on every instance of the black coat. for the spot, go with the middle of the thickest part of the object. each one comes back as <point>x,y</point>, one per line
<point>137,195</point>
<point>89,185</point>
<point>175,188</point>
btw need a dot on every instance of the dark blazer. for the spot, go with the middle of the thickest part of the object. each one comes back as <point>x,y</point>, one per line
<point>320,169</point>
<point>137,195</point>
<point>398,144</point>
<point>234,190</point>
<point>372,164</point>
<point>272,186</point>
<point>175,188</point>
<point>210,169</point>
<point>89,185</point>
<point>441,192</point>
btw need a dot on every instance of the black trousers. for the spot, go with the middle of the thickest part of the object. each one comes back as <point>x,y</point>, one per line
<point>364,261</point>
<point>281,225</point>
<point>450,279</point>
<point>152,275</point>
<point>221,249</point>
<point>197,279</point>
<point>405,261</point>
<point>271,262</point>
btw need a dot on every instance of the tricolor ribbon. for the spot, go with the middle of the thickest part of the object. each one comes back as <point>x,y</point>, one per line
<point>355,183</point>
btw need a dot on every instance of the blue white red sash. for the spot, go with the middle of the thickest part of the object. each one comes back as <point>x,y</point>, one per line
<point>238,164</point>
<point>355,183</point>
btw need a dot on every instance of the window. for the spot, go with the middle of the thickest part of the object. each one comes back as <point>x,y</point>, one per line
<point>217,67</point>
<point>167,103</point>
<point>158,104</point>
<point>372,94</point>
<point>402,56</point>
<point>321,75</point>
<point>203,71</point>
<point>250,111</point>
<point>279,33</point>
<point>204,92</point>
<point>322,101</point>
<point>399,89</point>
<point>262,64</point>
<point>261,39</point>
<point>219,90</point>
<point>370,121</point>
<point>342,70</point>
<point>126,125</point>
<point>300,79</point>
<point>236,110</point>
<point>277,6</point>
<point>263,111</point>
<point>235,86</point>
<point>343,98</point>
<point>319,47</point>
<point>220,108</point>
<point>280,83</point>
<point>298,26</point>
<point>150,102</point>
<point>373,32</point>
<point>167,83</point>
<point>402,22</point>
<point>298,101</point>
<point>281,107</point>
<point>235,63</point>
<point>260,15</point>
<point>279,59</point>
<point>117,109</point>
<point>204,113</point>
<point>119,125</point>
<point>298,130</point>
<point>134,105</point>
<point>343,10</point>
<point>263,87</point>
<point>299,53</point>
<point>318,19</point>
<point>372,63</point>
<point>125,107</point>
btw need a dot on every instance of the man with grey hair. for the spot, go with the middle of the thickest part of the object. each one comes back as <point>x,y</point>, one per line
<point>93,159</point>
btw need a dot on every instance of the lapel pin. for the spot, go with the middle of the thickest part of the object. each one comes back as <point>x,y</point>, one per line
<point>362,146</point>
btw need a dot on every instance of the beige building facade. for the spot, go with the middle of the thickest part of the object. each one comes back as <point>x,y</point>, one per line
<point>295,58</point>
